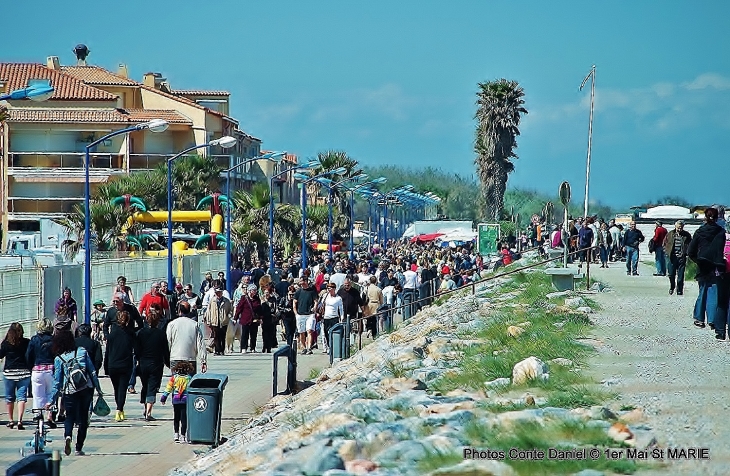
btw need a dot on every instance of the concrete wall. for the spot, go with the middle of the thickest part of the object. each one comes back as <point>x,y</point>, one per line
<point>28,294</point>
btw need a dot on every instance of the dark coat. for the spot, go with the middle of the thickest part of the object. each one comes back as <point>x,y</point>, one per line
<point>135,319</point>
<point>151,348</point>
<point>119,349</point>
<point>14,355</point>
<point>39,351</point>
<point>707,250</point>
<point>93,348</point>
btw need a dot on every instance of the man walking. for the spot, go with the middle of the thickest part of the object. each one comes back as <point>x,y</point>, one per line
<point>217,317</point>
<point>675,247</point>
<point>660,233</point>
<point>632,238</point>
<point>305,300</point>
<point>186,342</point>
<point>706,249</point>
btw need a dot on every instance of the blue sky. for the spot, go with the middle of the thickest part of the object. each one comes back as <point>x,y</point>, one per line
<point>395,81</point>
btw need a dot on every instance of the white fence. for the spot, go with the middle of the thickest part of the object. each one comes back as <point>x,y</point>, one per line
<point>31,293</point>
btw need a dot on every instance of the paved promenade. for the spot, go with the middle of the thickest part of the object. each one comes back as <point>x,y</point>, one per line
<point>136,447</point>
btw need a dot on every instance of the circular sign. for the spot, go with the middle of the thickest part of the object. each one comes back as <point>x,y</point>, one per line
<point>564,193</point>
<point>200,404</point>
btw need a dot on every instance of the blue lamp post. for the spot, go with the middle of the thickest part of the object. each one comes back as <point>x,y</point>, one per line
<point>309,165</point>
<point>330,188</point>
<point>270,156</point>
<point>377,181</point>
<point>225,142</point>
<point>155,125</point>
<point>34,93</point>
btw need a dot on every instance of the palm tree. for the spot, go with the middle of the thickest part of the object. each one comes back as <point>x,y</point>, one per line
<point>106,227</point>
<point>499,109</point>
<point>251,220</point>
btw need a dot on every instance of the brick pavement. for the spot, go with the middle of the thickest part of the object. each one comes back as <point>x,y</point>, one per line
<point>136,447</point>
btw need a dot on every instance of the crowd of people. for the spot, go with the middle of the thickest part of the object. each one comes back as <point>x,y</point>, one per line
<point>136,338</point>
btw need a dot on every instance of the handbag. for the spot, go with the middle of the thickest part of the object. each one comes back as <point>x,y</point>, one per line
<point>652,245</point>
<point>100,407</point>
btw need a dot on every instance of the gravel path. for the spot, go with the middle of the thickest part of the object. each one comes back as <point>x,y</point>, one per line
<point>654,356</point>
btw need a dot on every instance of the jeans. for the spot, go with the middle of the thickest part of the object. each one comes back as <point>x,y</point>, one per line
<point>675,270</point>
<point>16,390</point>
<point>632,259</point>
<point>604,254</point>
<point>660,260</point>
<point>408,298</point>
<point>327,325</point>
<point>133,377</point>
<point>721,311</point>
<point>77,412</point>
<point>290,329</point>
<point>706,301</point>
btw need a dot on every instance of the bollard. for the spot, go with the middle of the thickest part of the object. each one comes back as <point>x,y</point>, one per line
<point>336,340</point>
<point>291,375</point>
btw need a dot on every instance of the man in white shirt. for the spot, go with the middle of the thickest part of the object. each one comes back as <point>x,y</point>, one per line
<point>363,277</point>
<point>186,343</point>
<point>338,278</point>
<point>333,313</point>
<point>410,286</point>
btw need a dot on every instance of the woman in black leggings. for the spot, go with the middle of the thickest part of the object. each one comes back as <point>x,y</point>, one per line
<point>118,360</point>
<point>153,353</point>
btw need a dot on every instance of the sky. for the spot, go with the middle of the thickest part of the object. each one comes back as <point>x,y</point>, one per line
<point>395,82</point>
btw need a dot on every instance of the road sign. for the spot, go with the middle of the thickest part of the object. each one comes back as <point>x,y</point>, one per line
<point>487,235</point>
<point>564,193</point>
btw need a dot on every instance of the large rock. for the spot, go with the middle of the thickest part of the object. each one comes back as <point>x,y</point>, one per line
<point>575,302</point>
<point>394,385</point>
<point>497,383</point>
<point>529,369</point>
<point>371,411</point>
<point>514,331</point>
<point>474,467</point>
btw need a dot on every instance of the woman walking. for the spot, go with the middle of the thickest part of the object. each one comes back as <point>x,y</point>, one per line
<point>604,244</point>
<point>16,373</point>
<point>40,358</point>
<point>286,314</point>
<point>118,360</point>
<point>268,326</point>
<point>74,380</point>
<point>153,353</point>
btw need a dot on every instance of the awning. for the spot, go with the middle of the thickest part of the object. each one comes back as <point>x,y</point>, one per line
<point>425,238</point>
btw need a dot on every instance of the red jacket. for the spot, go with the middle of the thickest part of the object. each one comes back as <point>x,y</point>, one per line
<point>148,300</point>
<point>659,234</point>
<point>247,310</point>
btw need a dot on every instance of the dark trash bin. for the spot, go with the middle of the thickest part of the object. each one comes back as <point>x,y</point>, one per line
<point>205,407</point>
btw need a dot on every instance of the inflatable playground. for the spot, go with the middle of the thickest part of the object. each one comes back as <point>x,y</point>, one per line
<point>215,239</point>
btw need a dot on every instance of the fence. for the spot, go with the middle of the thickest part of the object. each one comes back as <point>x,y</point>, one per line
<point>28,294</point>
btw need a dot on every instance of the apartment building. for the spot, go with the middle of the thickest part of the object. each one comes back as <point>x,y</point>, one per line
<point>42,144</point>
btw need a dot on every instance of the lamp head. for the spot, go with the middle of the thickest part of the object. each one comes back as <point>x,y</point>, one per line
<point>359,177</point>
<point>379,181</point>
<point>225,142</point>
<point>311,164</point>
<point>300,176</point>
<point>338,171</point>
<point>155,125</point>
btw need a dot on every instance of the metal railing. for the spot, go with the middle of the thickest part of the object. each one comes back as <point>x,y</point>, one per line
<point>64,160</point>
<point>147,161</point>
<point>414,304</point>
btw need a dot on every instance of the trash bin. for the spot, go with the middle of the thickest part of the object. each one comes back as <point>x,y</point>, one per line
<point>204,408</point>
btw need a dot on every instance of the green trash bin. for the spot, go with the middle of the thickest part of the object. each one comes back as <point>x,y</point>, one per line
<point>204,408</point>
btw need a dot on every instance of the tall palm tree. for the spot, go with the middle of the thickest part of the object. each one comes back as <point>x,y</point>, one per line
<point>499,109</point>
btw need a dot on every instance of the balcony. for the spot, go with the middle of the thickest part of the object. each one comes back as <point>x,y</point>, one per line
<point>63,160</point>
<point>139,162</point>
<point>42,206</point>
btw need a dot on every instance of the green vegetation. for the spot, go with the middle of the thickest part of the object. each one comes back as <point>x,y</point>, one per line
<point>395,369</point>
<point>314,373</point>
<point>560,434</point>
<point>439,459</point>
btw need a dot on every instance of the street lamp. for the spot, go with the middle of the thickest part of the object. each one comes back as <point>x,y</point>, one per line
<point>377,181</point>
<point>155,125</point>
<point>226,142</point>
<point>269,156</point>
<point>309,165</point>
<point>34,93</point>
<point>330,188</point>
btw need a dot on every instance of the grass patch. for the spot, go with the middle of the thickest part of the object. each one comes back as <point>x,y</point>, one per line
<point>314,372</point>
<point>438,459</point>
<point>395,369</point>
<point>627,408</point>
<point>578,396</point>
<point>564,435</point>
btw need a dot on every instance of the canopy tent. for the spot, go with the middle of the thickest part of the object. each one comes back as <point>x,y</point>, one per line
<point>426,237</point>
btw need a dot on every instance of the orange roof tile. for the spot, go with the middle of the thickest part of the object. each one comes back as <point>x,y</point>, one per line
<point>198,92</point>
<point>95,75</point>
<point>67,87</point>
<point>144,115</point>
<point>181,99</point>
<point>104,116</point>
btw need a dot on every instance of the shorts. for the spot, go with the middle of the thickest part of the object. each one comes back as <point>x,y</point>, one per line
<point>16,390</point>
<point>305,322</point>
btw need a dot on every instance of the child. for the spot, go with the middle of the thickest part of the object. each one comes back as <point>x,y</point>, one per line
<point>178,386</point>
<point>97,319</point>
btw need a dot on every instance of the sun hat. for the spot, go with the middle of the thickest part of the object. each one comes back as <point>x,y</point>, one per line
<point>98,302</point>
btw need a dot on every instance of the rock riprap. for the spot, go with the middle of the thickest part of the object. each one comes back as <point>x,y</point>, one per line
<point>375,413</point>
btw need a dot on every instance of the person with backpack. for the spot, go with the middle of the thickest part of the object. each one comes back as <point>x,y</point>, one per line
<point>40,359</point>
<point>178,387</point>
<point>74,380</point>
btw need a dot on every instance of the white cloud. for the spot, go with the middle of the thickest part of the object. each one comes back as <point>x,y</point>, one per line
<point>708,81</point>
